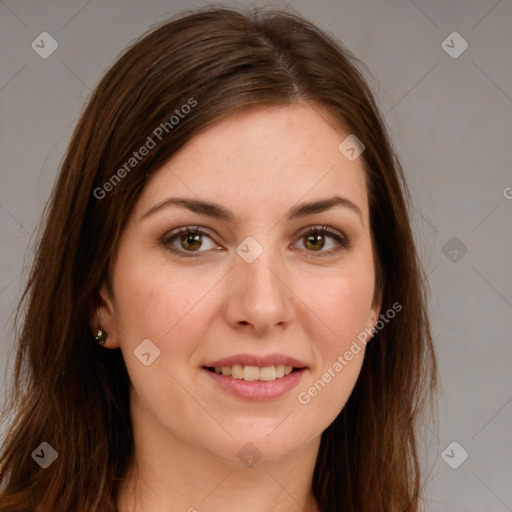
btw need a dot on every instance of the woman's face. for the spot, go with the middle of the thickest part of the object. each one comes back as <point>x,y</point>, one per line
<point>260,289</point>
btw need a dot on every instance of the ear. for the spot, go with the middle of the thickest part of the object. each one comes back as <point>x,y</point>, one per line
<point>103,317</point>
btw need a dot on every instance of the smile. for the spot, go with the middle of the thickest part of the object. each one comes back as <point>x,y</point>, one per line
<point>256,376</point>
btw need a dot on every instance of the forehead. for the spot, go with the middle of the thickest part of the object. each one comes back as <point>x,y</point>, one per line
<point>262,157</point>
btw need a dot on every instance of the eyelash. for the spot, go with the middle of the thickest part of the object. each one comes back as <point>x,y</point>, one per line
<point>322,230</point>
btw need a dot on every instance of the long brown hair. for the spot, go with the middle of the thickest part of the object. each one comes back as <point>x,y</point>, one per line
<point>69,392</point>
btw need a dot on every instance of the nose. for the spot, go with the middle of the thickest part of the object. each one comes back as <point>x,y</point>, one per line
<point>259,294</point>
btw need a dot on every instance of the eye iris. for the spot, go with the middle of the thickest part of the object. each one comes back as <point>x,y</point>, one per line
<point>188,237</point>
<point>311,237</point>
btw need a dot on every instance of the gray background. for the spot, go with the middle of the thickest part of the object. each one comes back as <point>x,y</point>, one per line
<point>451,121</point>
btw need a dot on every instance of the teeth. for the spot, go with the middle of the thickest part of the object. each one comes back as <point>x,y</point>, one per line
<point>268,373</point>
<point>237,371</point>
<point>252,373</point>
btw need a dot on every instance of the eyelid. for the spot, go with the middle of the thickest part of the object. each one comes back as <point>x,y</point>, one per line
<point>339,236</point>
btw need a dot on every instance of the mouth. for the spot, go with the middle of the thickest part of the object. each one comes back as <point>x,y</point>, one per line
<point>251,377</point>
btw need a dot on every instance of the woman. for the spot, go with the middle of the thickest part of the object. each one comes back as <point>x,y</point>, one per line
<point>226,310</point>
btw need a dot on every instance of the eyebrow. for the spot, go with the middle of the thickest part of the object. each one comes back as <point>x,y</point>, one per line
<point>219,212</point>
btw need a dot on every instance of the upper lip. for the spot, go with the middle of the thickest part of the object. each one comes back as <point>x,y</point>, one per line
<point>256,360</point>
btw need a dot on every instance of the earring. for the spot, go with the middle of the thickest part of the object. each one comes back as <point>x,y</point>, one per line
<point>100,337</point>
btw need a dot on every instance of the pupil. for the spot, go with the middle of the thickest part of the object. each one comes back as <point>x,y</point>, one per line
<point>313,237</point>
<point>193,238</point>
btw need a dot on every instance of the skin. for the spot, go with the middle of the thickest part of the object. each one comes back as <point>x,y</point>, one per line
<point>294,299</point>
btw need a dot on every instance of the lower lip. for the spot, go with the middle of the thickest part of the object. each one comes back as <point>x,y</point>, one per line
<point>257,389</point>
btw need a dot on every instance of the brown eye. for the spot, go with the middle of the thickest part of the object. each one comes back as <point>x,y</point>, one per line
<point>190,242</point>
<point>315,240</point>
<point>186,240</point>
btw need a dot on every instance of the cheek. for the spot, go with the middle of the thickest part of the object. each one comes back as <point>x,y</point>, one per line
<point>340,352</point>
<point>345,304</point>
<point>152,303</point>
